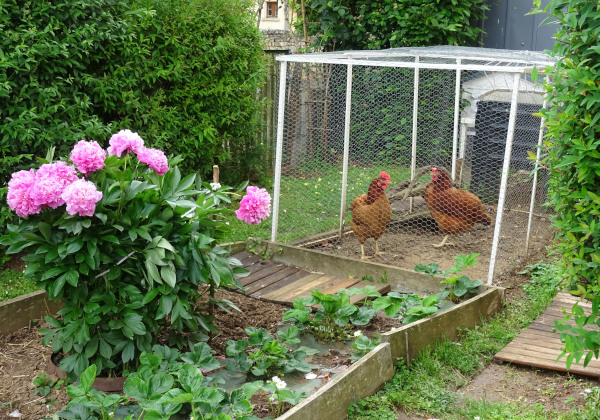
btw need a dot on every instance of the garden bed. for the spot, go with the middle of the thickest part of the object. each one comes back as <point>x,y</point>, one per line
<point>334,392</point>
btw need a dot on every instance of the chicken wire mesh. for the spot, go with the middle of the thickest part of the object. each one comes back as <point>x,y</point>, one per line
<point>390,151</point>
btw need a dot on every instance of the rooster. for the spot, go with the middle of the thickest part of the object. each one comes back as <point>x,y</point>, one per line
<point>371,213</point>
<point>454,211</point>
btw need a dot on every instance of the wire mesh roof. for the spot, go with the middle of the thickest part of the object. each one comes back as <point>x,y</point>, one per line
<point>442,57</point>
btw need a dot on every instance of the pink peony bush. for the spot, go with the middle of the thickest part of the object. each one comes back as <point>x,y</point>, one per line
<point>129,239</point>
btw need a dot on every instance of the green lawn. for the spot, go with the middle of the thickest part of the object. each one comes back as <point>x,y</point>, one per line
<point>432,385</point>
<point>13,284</point>
<point>311,204</point>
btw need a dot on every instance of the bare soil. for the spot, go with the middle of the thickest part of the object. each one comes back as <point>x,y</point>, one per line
<point>23,358</point>
<point>406,245</point>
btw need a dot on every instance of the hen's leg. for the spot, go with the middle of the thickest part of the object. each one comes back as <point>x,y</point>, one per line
<point>362,253</point>
<point>377,252</point>
<point>441,244</point>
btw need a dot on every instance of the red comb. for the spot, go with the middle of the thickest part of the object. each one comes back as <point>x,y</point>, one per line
<point>385,175</point>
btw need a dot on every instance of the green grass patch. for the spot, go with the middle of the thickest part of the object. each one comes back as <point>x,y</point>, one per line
<point>431,382</point>
<point>310,203</point>
<point>13,284</point>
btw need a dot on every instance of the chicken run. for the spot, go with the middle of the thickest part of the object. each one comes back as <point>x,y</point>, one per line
<point>413,155</point>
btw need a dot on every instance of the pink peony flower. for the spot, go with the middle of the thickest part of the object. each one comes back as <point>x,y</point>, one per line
<point>81,198</point>
<point>155,158</point>
<point>255,206</point>
<point>18,197</point>
<point>50,181</point>
<point>88,156</point>
<point>125,141</point>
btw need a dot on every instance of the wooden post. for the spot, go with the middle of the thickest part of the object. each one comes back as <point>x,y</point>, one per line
<point>211,289</point>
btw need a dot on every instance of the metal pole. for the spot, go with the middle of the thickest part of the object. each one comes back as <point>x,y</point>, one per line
<point>346,147</point>
<point>505,168</point>
<point>413,163</point>
<point>535,178</point>
<point>279,150</point>
<point>456,118</point>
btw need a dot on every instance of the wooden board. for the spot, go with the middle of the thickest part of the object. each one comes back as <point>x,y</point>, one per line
<point>264,271</point>
<point>540,346</point>
<point>271,279</point>
<point>288,280</point>
<point>283,284</point>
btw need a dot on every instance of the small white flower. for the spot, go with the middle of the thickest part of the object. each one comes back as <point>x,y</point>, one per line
<point>276,379</point>
<point>280,385</point>
<point>476,418</point>
<point>588,391</point>
<point>357,333</point>
<point>215,186</point>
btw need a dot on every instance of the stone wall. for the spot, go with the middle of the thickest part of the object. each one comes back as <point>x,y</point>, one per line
<point>280,40</point>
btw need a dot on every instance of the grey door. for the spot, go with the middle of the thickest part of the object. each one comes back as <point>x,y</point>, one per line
<point>508,26</point>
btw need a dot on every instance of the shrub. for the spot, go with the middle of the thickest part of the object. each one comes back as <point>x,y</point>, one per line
<point>571,147</point>
<point>374,25</point>
<point>188,80</point>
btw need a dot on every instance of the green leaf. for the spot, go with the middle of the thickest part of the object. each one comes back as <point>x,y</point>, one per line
<point>191,379</point>
<point>167,273</point>
<point>87,378</point>
<point>160,383</point>
<point>45,230</point>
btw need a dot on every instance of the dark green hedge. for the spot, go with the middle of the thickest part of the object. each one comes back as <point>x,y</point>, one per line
<point>378,24</point>
<point>573,141</point>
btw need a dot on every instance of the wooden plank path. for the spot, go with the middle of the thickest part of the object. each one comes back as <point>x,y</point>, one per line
<point>540,347</point>
<point>283,284</point>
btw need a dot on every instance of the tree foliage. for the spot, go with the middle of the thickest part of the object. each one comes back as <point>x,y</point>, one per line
<point>188,80</point>
<point>378,24</point>
<point>573,156</point>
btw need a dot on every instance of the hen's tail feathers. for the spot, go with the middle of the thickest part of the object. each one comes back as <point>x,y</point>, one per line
<point>487,220</point>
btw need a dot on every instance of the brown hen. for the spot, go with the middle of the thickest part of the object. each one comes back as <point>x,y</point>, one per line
<point>454,210</point>
<point>371,213</point>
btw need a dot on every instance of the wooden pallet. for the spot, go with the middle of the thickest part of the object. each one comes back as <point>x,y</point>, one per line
<point>540,347</point>
<point>283,284</point>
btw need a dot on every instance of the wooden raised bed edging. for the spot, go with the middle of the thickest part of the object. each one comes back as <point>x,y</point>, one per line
<point>360,380</point>
<point>18,312</point>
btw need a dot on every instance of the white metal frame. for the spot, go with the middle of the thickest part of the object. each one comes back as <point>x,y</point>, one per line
<point>463,58</point>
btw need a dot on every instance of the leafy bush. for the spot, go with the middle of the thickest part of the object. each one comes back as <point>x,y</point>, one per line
<point>128,257</point>
<point>456,287</point>
<point>571,154</point>
<point>379,24</point>
<point>334,317</point>
<point>187,78</point>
